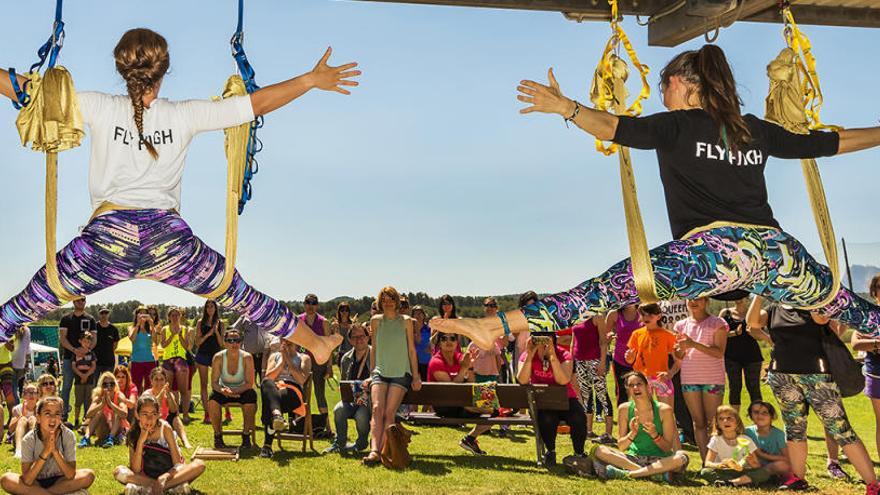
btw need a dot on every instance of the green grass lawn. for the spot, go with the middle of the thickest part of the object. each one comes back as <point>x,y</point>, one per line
<point>440,466</point>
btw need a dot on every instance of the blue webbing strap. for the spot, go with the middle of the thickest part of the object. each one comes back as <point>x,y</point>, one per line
<point>254,145</point>
<point>50,49</point>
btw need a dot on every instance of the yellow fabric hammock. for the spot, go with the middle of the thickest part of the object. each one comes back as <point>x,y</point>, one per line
<point>793,102</point>
<point>608,93</point>
<point>52,123</point>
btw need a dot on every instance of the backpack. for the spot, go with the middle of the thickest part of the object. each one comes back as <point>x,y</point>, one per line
<point>395,451</point>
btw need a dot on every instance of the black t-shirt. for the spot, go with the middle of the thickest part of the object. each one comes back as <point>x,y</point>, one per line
<point>104,344</point>
<point>352,372</point>
<point>75,326</point>
<point>702,181</point>
<point>210,346</point>
<point>797,342</point>
<point>741,347</point>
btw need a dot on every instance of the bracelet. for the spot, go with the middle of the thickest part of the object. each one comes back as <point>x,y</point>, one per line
<point>44,459</point>
<point>658,436</point>
<point>574,114</point>
<point>504,323</point>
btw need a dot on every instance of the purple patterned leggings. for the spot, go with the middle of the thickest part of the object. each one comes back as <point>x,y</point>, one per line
<point>146,244</point>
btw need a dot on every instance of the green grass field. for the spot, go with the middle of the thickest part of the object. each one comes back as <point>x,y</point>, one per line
<point>440,466</point>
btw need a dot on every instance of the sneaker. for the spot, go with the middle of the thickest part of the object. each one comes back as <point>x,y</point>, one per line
<point>471,445</point>
<point>503,431</point>
<point>549,460</point>
<point>246,442</point>
<point>279,423</point>
<point>332,449</point>
<point>356,447</point>
<point>84,442</point>
<point>228,418</point>
<point>873,488</point>
<point>795,484</point>
<point>615,473</point>
<point>120,439</point>
<point>723,483</point>
<point>192,407</point>
<point>606,439</point>
<point>590,436</point>
<point>579,464</point>
<point>266,452</point>
<point>108,443</point>
<point>837,472</point>
<point>600,468</point>
<point>218,442</point>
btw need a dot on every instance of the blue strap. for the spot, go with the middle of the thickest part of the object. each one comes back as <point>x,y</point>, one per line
<point>248,75</point>
<point>50,50</point>
<point>504,323</point>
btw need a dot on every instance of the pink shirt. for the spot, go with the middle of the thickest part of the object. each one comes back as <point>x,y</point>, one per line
<point>586,341</point>
<point>540,376</point>
<point>486,362</point>
<point>437,363</point>
<point>697,367</point>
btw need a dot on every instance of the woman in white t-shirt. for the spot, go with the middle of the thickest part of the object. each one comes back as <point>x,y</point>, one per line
<point>138,148</point>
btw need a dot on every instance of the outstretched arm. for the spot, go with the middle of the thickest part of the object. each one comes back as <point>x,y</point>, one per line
<point>323,76</point>
<point>858,139</point>
<point>549,99</point>
<point>6,84</point>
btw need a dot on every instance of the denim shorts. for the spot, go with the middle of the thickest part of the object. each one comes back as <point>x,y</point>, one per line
<point>403,382</point>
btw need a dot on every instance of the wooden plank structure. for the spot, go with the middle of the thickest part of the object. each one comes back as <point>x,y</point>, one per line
<point>671,22</point>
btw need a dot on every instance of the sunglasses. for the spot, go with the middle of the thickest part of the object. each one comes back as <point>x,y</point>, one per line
<point>312,302</point>
<point>233,340</point>
<point>448,338</point>
<point>30,392</point>
<point>344,310</point>
<point>491,305</point>
<point>404,305</point>
<point>108,384</point>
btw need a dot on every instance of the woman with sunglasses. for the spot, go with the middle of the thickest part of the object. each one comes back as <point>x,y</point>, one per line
<point>394,365</point>
<point>155,465</point>
<point>143,336</point>
<point>24,416</point>
<point>47,385</point>
<point>320,372</point>
<point>232,381</point>
<point>287,372</point>
<point>208,342</point>
<point>174,350</point>
<point>169,407</point>
<point>107,417</point>
<point>450,365</point>
<point>48,457</point>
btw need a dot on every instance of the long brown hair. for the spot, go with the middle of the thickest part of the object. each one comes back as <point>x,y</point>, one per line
<point>708,70</point>
<point>142,60</point>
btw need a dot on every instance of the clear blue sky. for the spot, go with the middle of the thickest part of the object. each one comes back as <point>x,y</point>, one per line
<point>426,178</point>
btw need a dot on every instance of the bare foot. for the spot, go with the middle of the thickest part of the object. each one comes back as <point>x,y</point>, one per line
<point>321,346</point>
<point>482,331</point>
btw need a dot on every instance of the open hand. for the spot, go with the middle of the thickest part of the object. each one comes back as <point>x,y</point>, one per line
<point>331,78</point>
<point>545,99</point>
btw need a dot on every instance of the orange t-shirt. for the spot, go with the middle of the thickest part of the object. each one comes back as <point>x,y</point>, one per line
<point>652,349</point>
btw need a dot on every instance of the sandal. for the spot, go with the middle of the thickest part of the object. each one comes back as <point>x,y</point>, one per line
<point>372,458</point>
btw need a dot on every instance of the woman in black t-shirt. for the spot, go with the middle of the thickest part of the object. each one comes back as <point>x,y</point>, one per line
<point>742,355</point>
<point>800,378</point>
<point>712,162</point>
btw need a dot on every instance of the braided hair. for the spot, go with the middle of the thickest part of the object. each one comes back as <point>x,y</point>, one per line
<point>142,60</point>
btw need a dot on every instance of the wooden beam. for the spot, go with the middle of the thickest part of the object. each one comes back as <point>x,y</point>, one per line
<point>679,27</point>
<point>823,16</point>
<point>597,8</point>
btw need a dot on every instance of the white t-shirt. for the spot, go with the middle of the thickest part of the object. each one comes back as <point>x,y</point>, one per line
<point>121,170</point>
<point>32,448</point>
<point>743,447</point>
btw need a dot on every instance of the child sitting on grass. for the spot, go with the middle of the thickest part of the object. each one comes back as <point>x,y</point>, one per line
<point>731,459</point>
<point>772,451</point>
<point>155,463</point>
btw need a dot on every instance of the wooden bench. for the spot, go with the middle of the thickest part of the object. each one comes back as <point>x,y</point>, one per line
<point>516,397</point>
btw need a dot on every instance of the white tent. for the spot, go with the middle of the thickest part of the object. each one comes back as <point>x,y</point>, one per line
<point>36,371</point>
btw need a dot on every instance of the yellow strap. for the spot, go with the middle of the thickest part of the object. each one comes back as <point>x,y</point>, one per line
<point>236,153</point>
<point>794,101</point>
<point>51,123</point>
<point>608,92</point>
